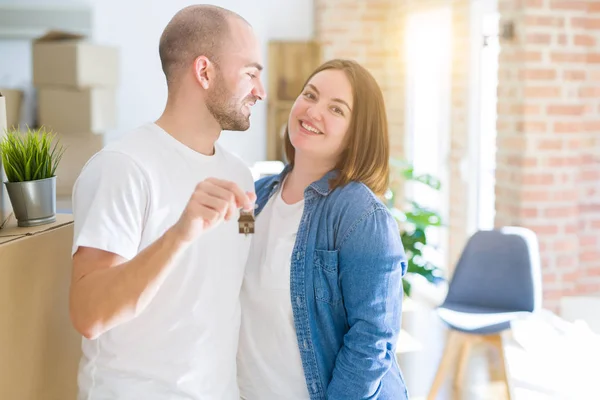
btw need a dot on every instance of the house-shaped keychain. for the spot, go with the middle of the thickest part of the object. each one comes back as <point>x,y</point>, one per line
<point>246,222</point>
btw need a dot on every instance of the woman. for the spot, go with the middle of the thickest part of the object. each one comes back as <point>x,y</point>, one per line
<point>322,294</point>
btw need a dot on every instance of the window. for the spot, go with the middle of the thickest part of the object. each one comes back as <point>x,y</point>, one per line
<point>486,48</point>
<point>428,59</point>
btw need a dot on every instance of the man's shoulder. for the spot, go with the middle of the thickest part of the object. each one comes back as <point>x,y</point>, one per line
<point>128,154</point>
<point>137,141</point>
<point>234,163</point>
<point>139,148</point>
<point>230,156</point>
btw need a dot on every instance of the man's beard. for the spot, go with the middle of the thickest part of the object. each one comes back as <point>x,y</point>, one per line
<point>227,109</point>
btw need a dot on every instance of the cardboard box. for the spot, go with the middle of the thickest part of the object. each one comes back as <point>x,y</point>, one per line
<point>39,348</point>
<point>64,59</point>
<point>79,149</point>
<point>14,102</point>
<point>69,111</point>
<point>5,206</point>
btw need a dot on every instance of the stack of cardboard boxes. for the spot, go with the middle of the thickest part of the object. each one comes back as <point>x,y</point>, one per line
<point>76,84</point>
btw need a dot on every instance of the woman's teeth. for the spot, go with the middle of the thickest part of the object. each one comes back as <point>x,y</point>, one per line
<point>310,128</point>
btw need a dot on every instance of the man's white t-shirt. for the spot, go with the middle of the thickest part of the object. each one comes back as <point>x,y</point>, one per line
<point>269,363</point>
<point>184,344</point>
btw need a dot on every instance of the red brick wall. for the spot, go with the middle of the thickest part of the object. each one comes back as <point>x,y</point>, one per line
<point>548,160</point>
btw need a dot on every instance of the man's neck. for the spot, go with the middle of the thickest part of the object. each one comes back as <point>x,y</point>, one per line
<point>197,129</point>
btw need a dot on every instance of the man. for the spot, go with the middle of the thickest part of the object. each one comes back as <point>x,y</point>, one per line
<point>157,256</point>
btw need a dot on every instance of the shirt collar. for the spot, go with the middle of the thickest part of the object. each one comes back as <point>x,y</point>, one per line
<point>320,186</point>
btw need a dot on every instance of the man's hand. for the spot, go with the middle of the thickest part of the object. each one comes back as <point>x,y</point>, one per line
<point>213,201</point>
<point>107,290</point>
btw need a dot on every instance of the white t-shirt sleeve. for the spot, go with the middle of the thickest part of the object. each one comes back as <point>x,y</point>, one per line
<point>110,200</point>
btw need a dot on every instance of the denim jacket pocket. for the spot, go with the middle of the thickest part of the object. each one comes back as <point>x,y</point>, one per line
<point>327,286</point>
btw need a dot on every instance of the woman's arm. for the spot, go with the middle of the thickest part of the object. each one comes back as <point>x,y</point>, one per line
<point>371,265</point>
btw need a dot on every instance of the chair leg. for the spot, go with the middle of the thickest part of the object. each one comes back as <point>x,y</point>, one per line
<point>496,340</point>
<point>453,343</point>
<point>463,361</point>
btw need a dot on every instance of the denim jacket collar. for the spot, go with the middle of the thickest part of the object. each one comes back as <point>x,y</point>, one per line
<point>321,186</point>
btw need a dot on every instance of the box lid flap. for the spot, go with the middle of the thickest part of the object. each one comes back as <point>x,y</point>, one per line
<point>56,35</point>
<point>10,231</point>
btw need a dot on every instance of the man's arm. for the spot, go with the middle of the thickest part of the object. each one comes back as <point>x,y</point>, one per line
<point>108,289</point>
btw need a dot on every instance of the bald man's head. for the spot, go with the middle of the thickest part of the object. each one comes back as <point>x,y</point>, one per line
<point>194,31</point>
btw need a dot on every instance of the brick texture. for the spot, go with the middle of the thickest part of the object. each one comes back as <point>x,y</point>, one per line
<point>548,159</point>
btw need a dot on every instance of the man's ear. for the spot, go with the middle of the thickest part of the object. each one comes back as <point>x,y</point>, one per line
<point>203,71</point>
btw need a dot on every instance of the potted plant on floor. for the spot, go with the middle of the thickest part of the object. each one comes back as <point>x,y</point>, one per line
<point>415,222</point>
<point>30,160</point>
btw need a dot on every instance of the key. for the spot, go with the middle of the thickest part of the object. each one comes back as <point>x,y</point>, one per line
<point>246,222</point>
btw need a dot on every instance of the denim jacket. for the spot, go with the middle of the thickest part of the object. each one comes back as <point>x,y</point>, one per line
<point>346,291</point>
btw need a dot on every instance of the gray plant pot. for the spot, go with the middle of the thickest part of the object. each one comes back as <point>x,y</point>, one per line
<point>33,202</point>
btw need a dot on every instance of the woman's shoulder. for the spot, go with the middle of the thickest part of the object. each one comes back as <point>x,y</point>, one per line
<point>360,216</point>
<point>358,197</point>
<point>354,205</point>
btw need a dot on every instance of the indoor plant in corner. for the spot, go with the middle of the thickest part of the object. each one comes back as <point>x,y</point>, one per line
<point>415,222</point>
<point>30,160</point>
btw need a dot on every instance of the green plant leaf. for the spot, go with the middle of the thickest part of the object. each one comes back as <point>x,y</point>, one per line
<point>408,173</point>
<point>417,265</point>
<point>38,172</point>
<point>428,180</point>
<point>414,240</point>
<point>423,219</point>
<point>13,173</point>
<point>406,287</point>
<point>30,155</point>
<point>414,221</point>
<point>28,175</point>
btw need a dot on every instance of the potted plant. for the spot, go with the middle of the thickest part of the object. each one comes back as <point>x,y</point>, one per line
<point>415,222</point>
<point>30,160</point>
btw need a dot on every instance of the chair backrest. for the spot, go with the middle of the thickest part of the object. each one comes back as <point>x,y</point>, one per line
<point>499,269</point>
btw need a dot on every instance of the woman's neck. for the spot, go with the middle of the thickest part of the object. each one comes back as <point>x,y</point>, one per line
<point>301,176</point>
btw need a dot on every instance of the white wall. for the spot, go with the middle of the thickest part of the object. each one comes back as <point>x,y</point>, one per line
<point>135,27</point>
<point>15,57</point>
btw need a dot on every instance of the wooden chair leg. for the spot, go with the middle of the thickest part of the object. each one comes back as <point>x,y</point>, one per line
<point>463,361</point>
<point>453,343</point>
<point>496,340</point>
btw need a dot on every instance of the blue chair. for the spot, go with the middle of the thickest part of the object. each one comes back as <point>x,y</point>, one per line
<point>497,279</point>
